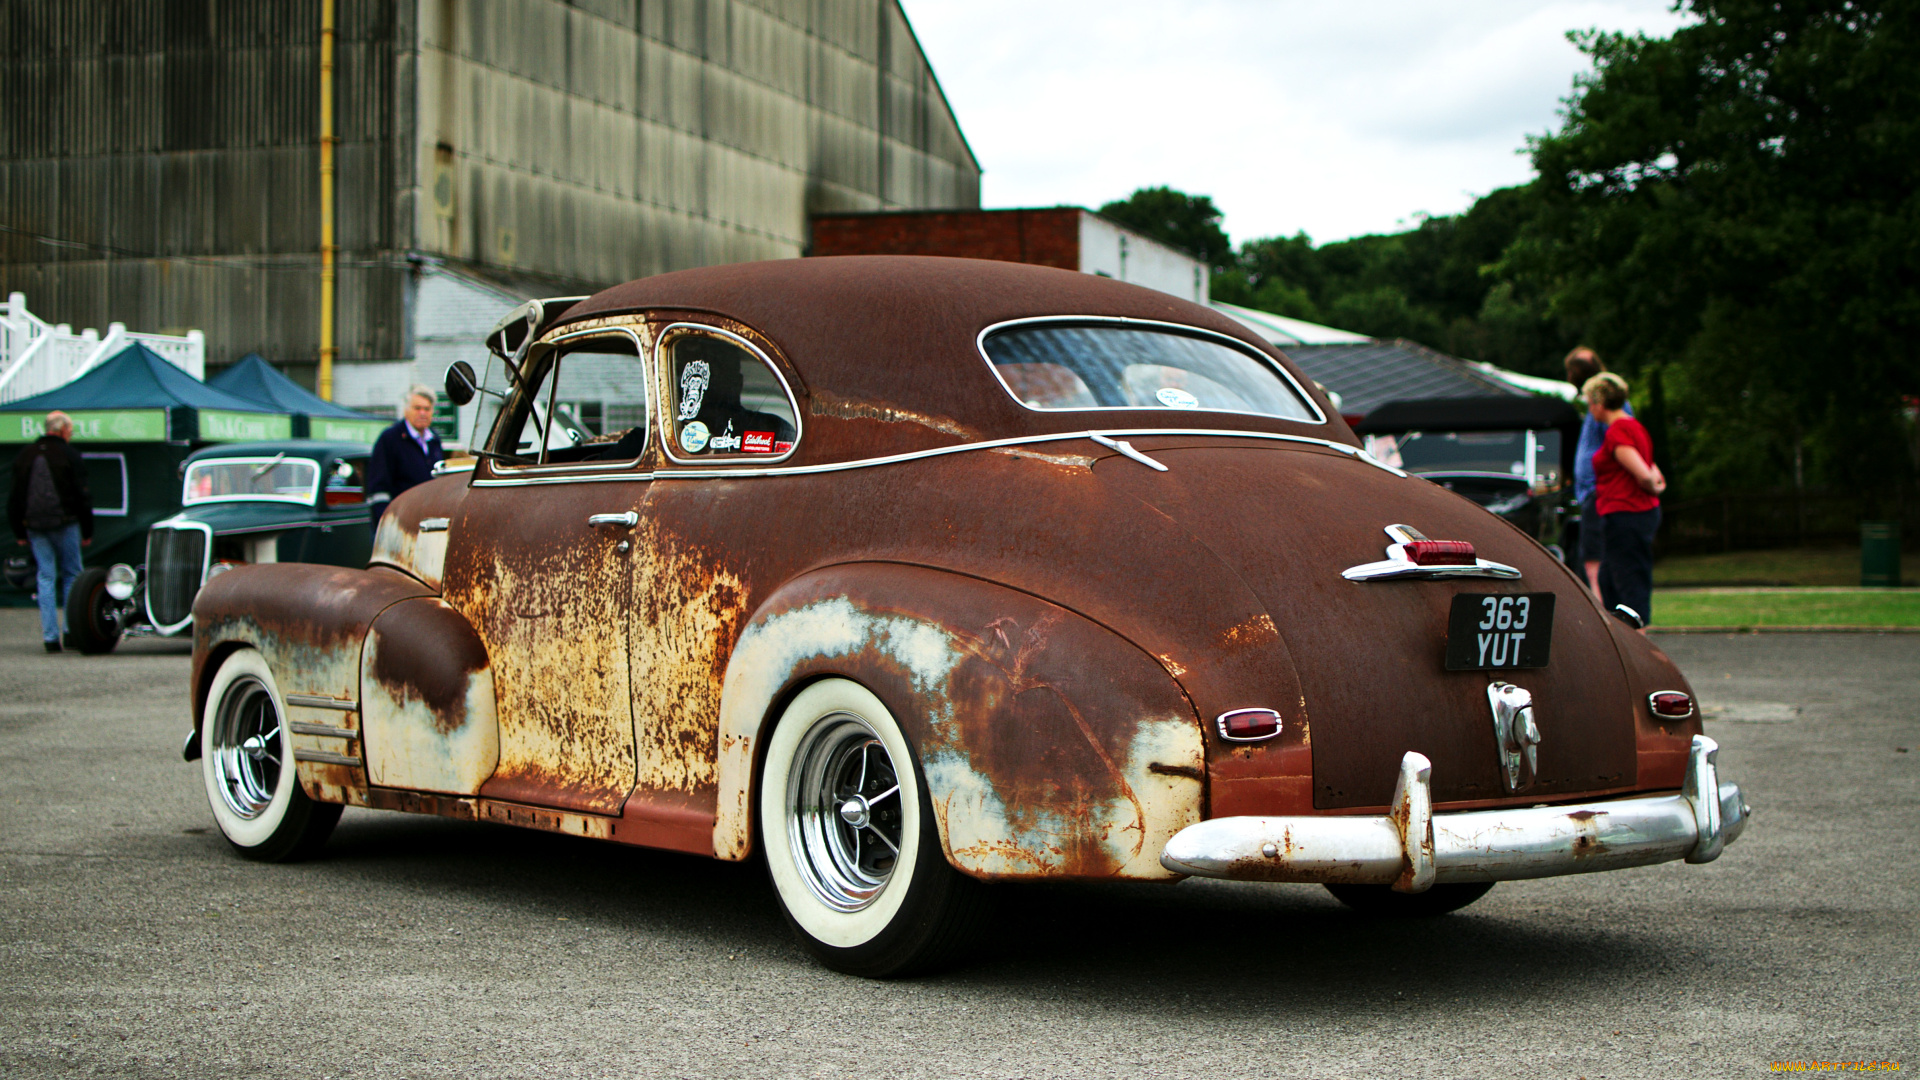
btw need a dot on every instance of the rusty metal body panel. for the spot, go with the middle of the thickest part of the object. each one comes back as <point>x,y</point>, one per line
<point>1055,623</point>
<point>308,622</point>
<point>427,701</point>
<point>1050,746</point>
<point>548,594</point>
<point>401,543</point>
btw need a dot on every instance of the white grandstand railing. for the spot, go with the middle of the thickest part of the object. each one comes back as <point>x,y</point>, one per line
<point>36,356</point>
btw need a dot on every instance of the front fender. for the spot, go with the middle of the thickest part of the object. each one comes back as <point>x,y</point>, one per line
<point>309,623</point>
<point>1051,747</point>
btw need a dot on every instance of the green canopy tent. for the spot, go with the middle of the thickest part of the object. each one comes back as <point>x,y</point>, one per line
<point>314,417</point>
<point>135,419</point>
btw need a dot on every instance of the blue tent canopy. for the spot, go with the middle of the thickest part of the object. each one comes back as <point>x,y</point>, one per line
<point>313,416</point>
<point>138,397</point>
<point>255,379</point>
<point>136,378</point>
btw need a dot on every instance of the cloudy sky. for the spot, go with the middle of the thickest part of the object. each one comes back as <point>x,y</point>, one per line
<point>1337,118</point>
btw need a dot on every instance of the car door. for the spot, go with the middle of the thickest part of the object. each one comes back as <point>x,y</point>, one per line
<point>540,561</point>
<point>726,411</point>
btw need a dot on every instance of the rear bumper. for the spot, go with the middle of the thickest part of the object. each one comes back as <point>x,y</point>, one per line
<point>1412,849</point>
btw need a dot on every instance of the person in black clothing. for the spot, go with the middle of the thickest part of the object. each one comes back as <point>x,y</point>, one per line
<point>404,454</point>
<point>51,509</point>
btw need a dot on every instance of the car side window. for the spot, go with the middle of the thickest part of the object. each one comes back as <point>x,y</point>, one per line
<point>725,400</point>
<point>589,405</point>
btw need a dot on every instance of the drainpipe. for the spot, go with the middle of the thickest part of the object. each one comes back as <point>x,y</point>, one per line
<point>324,380</point>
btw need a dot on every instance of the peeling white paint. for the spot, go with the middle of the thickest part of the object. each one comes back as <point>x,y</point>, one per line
<point>761,663</point>
<point>405,748</point>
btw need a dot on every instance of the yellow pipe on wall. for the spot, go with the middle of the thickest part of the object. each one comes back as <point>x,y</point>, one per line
<point>328,350</point>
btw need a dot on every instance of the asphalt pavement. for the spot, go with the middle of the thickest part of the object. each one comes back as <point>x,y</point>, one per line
<point>136,945</point>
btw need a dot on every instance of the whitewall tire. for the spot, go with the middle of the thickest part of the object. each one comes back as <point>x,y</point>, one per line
<point>246,763</point>
<point>850,840</point>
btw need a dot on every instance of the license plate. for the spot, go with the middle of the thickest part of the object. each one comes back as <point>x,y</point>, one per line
<point>1500,630</point>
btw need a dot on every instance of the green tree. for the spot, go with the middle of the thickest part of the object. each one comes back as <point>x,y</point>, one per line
<point>1735,211</point>
<point>1188,222</point>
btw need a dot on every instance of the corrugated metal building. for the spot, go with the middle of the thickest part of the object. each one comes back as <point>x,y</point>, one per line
<point>159,159</point>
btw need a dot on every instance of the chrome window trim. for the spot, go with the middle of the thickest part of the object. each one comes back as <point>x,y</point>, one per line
<point>206,563</point>
<point>566,478</point>
<point>980,346</point>
<point>661,370</point>
<point>1026,440</point>
<point>575,468</point>
<point>313,493</point>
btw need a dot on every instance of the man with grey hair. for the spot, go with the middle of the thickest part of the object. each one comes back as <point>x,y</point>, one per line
<point>404,454</point>
<point>51,509</point>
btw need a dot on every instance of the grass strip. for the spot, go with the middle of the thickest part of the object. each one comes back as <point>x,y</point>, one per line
<point>1786,607</point>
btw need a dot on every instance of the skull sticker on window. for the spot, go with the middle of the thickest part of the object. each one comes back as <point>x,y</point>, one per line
<point>694,379</point>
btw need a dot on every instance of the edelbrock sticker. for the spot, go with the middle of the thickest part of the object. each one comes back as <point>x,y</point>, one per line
<point>1175,398</point>
<point>757,442</point>
<point>693,437</point>
<point>726,442</point>
<point>694,379</point>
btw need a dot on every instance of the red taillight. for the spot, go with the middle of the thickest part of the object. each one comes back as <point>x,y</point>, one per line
<point>1249,725</point>
<point>1671,705</point>
<point>1439,552</point>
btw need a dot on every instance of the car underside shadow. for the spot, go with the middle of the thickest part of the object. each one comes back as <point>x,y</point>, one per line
<point>1278,948</point>
<point>524,873</point>
<point>1265,948</point>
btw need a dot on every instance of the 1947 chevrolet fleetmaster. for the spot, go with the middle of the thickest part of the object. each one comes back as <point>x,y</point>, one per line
<point>906,574</point>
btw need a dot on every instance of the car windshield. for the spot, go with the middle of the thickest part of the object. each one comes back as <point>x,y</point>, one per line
<point>1104,366</point>
<point>1499,453</point>
<point>279,477</point>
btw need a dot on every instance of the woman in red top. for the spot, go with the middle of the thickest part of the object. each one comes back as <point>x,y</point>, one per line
<point>1627,487</point>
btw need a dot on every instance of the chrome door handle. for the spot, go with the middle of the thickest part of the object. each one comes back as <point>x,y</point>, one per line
<point>626,520</point>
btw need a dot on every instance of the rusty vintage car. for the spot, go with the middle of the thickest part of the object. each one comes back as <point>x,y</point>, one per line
<point>909,574</point>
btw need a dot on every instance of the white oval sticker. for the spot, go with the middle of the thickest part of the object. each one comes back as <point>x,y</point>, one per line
<point>1175,398</point>
<point>693,437</point>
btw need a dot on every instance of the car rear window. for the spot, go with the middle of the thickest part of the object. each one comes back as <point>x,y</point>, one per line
<point>1107,366</point>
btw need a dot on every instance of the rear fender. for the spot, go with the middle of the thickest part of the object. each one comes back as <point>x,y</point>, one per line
<point>309,623</point>
<point>1051,746</point>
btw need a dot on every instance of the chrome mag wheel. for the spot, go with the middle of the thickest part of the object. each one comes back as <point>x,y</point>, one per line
<point>846,826</point>
<point>246,748</point>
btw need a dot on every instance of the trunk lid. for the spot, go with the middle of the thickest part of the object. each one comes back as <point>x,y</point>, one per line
<point>1371,655</point>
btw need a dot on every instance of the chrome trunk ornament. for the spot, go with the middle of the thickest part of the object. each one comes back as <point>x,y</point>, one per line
<point>1514,732</point>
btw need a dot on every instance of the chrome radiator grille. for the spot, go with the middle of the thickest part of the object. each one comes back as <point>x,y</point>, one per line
<point>176,559</point>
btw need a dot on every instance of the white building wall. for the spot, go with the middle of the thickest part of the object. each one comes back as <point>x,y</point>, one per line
<point>1111,251</point>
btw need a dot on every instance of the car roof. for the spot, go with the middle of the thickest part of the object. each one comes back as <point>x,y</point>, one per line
<point>885,345</point>
<point>319,450</point>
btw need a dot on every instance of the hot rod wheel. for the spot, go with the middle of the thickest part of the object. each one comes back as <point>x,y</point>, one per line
<point>93,615</point>
<point>850,839</point>
<point>247,765</point>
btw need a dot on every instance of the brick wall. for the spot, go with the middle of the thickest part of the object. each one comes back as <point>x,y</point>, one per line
<point>1049,237</point>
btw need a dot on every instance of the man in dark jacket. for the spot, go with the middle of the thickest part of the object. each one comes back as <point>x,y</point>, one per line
<point>50,508</point>
<point>404,454</point>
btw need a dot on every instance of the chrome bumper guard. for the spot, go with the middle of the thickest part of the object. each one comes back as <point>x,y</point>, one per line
<point>1413,849</point>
